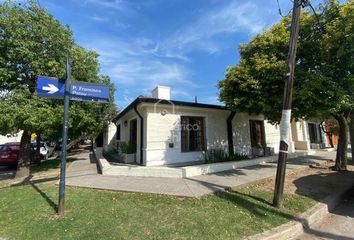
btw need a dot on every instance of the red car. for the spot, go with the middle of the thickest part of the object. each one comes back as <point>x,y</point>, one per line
<point>9,154</point>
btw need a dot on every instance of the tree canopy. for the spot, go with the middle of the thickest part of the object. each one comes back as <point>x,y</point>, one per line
<point>32,44</point>
<point>324,80</point>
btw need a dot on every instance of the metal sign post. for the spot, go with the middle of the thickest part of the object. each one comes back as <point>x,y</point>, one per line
<point>72,90</point>
<point>61,205</point>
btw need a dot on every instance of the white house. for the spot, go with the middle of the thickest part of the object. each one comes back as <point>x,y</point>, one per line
<point>165,131</point>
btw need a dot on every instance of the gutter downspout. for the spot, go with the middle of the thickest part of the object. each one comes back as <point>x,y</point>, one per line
<point>230,140</point>
<point>141,135</point>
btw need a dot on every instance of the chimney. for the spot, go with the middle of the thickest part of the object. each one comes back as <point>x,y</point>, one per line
<point>162,92</point>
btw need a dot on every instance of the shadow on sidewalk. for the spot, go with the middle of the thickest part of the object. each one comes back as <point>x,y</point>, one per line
<point>345,208</point>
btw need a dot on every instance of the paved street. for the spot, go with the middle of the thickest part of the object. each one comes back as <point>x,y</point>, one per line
<point>6,173</point>
<point>339,224</point>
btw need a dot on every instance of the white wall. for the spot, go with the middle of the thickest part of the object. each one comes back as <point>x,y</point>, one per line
<point>242,135</point>
<point>300,135</point>
<point>163,129</point>
<point>272,134</point>
<point>109,137</point>
<point>11,137</point>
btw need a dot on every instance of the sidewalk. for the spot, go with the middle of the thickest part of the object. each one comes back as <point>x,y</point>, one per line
<point>83,173</point>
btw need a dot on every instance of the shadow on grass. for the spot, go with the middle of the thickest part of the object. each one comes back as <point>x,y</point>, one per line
<point>258,206</point>
<point>45,196</point>
<point>49,164</point>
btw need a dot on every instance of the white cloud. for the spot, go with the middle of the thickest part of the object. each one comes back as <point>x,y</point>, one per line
<point>98,18</point>
<point>135,63</point>
<point>234,17</point>
<point>142,63</point>
<point>113,4</point>
<point>149,73</point>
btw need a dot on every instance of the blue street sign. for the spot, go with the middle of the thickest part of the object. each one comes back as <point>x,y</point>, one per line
<point>50,87</point>
<point>84,91</point>
<point>79,91</point>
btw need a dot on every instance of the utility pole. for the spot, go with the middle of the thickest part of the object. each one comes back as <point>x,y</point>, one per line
<point>286,113</point>
<point>61,205</point>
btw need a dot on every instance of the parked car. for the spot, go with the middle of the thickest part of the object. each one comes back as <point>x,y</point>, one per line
<point>9,154</point>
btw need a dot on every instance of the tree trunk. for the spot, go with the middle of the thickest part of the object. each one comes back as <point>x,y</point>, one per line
<point>328,134</point>
<point>37,158</point>
<point>330,138</point>
<point>24,155</point>
<point>341,157</point>
<point>351,130</point>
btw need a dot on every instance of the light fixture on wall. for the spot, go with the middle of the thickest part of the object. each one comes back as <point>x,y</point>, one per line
<point>164,112</point>
<point>125,123</point>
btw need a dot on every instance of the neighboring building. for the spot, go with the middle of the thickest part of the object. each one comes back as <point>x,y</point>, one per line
<point>165,131</point>
<point>308,135</point>
<point>16,137</point>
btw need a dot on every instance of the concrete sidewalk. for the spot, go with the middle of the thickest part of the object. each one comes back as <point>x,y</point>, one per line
<point>83,173</point>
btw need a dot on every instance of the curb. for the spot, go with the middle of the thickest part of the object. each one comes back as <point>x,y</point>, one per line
<point>304,221</point>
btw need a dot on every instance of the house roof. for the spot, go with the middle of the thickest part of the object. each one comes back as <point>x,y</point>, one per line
<point>143,99</point>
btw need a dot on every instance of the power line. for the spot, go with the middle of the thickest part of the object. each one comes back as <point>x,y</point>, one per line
<point>279,9</point>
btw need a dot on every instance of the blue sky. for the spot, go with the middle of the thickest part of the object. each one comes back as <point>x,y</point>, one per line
<point>184,44</point>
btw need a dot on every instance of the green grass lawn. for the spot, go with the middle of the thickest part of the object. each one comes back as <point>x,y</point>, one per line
<point>28,212</point>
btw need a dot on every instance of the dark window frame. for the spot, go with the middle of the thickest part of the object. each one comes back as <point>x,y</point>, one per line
<point>133,132</point>
<point>119,132</point>
<point>313,134</point>
<point>193,140</point>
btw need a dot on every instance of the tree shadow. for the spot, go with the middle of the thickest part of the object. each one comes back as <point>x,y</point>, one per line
<point>318,186</point>
<point>53,205</point>
<point>258,206</point>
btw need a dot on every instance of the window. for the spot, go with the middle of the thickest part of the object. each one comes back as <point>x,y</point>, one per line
<point>133,133</point>
<point>118,132</point>
<point>192,134</point>
<point>313,133</point>
<point>257,133</point>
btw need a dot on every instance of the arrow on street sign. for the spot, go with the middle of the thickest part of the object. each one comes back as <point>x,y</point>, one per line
<point>79,91</point>
<point>50,88</point>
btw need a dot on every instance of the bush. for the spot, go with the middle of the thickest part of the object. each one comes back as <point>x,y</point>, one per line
<point>111,151</point>
<point>220,155</point>
<point>127,148</point>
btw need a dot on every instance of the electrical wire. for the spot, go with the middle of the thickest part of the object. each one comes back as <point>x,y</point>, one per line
<point>279,9</point>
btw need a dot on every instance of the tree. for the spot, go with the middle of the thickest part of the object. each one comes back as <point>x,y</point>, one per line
<point>330,128</point>
<point>351,130</point>
<point>323,74</point>
<point>33,43</point>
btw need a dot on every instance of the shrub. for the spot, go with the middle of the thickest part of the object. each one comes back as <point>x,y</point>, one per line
<point>220,155</point>
<point>127,148</point>
<point>110,151</point>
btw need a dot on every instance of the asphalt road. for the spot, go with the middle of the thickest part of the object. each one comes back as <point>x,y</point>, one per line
<point>339,224</point>
<point>6,173</point>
